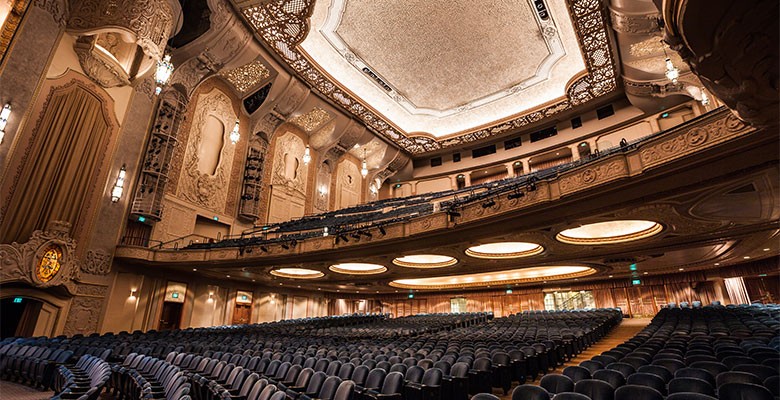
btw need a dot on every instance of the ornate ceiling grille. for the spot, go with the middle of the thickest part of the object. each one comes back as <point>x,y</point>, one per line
<point>283,25</point>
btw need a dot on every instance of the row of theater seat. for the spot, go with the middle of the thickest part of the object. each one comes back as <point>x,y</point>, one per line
<point>467,354</point>
<point>727,353</point>
<point>84,380</point>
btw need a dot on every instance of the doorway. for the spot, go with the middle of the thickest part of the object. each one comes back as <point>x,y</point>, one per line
<point>242,314</point>
<point>170,317</point>
<point>19,316</point>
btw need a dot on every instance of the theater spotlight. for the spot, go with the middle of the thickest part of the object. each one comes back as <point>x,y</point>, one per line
<point>366,234</point>
<point>264,249</point>
<point>489,203</point>
<point>382,230</point>
<point>516,195</point>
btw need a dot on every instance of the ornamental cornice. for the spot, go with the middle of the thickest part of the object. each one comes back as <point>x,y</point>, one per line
<point>283,25</point>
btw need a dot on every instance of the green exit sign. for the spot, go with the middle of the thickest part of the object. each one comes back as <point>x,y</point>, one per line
<point>636,282</point>
<point>175,295</point>
<point>411,296</point>
<point>17,299</point>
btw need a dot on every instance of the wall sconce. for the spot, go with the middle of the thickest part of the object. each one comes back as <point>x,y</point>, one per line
<point>132,294</point>
<point>211,297</point>
<point>323,190</point>
<point>116,192</point>
<point>705,99</point>
<point>235,134</point>
<point>306,155</point>
<point>4,114</point>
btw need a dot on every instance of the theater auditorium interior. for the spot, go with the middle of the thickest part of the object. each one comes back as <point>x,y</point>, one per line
<point>389,199</point>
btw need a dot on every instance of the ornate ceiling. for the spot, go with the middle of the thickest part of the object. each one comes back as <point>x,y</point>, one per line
<point>431,75</point>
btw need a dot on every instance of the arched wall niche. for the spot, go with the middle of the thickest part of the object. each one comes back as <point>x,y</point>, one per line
<point>56,305</point>
<point>67,146</point>
<point>322,192</point>
<point>289,175</point>
<point>349,183</point>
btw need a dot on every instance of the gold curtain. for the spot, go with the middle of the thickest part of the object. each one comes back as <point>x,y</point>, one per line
<point>60,169</point>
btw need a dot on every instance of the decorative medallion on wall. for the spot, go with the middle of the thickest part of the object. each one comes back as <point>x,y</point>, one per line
<point>46,260</point>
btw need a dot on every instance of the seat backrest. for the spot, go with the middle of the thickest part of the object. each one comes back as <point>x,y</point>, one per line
<point>303,377</point>
<point>345,390</point>
<point>529,392</point>
<point>316,381</point>
<point>393,383</point>
<point>557,383</point>
<point>267,392</point>
<point>459,369</point>
<point>741,391</point>
<point>694,385</point>
<point>635,392</point>
<point>734,376</point>
<point>256,389</point>
<point>647,379</point>
<point>360,374</point>
<point>595,389</point>
<point>614,378</point>
<point>576,373</point>
<point>329,387</point>
<point>414,374</point>
<point>345,372</point>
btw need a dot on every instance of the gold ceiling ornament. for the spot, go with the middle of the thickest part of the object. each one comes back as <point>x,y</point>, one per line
<point>283,25</point>
<point>496,278</point>
<point>246,76</point>
<point>312,120</point>
<point>610,232</point>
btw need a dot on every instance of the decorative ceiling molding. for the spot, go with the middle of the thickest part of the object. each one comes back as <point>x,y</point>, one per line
<point>634,24</point>
<point>246,76</point>
<point>283,25</point>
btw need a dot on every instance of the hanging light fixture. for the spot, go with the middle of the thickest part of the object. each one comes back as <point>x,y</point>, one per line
<point>364,167</point>
<point>4,114</point>
<point>306,155</point>
<point>119,186</point>
<point>672,73</point>
<point>705,99</point>
<point>163,73</point>
<point>235,135</point>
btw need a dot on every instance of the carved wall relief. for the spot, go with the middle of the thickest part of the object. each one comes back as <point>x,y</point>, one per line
<point>209,188</point>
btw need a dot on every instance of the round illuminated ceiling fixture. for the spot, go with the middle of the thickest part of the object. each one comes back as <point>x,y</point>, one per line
<point>297,273</point>
<point>497,278</point>
<point>425,261</point>
<point>358,268</point>
<point>610,232</point>
<point>504,250</point>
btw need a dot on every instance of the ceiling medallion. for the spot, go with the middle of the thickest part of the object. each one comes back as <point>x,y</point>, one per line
<point>504,250</point>
<point>425,261</point>
<point>610,232</point>
<point>297,273</point>
<point>283,26</point>
<point>497,278</point>
<point>358,268</point>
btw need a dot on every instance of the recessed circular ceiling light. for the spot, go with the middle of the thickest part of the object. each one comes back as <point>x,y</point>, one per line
<point>297,273</point>
<point>358,268</point>
<point>501,250</point>
<point>500,278</point>
<point>610,232</point>
<point>425,261</point>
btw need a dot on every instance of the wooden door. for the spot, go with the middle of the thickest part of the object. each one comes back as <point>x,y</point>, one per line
<point>242,314</point>
<point>170,318</point>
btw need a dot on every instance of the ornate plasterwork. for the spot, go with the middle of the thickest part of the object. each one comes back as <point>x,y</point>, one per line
<point>312,120</point>
<point>149,22</point>
<point>102,68</point>
<point>634,24</point>
<point>246,76</point>
<point>19,261</point>
<point>289,170</point>
<point>97,262</point>
<point>593,175</point>
<point>201,188</point>
<point>674,146</point>
<point>83,316</point>
<point>58,9</point>
<point>283,25</point>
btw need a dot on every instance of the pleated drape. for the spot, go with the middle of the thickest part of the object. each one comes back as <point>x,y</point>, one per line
<point>61,167</point>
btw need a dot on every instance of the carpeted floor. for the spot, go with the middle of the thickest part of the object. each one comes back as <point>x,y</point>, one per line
<point>15,391</point>
<point>626,330</point>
